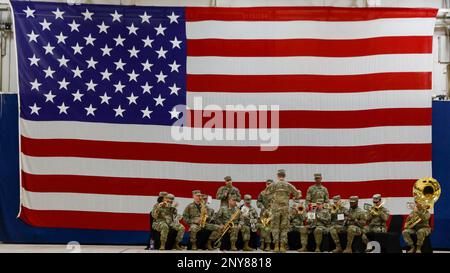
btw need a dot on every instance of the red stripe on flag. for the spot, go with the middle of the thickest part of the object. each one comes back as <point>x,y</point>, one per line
<point>303,13</point>
<point>183,188</point>
<point>321,119</point>
<point>85,219</point>
<point>309,47</point>
<point>225,154</point>
<point>310,83</point>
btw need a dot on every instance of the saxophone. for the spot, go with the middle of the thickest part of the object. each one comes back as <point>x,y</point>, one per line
<point>203,214</point>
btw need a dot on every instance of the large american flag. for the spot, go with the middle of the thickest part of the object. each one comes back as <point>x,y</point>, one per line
<point>101,86</point>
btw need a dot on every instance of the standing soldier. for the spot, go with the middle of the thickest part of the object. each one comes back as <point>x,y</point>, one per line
<point>192,215</point>
<point>316,191</point>
<point>224,215</point>
<point>165,215</point>
<point>319,220</point>
<point>225,192</point>
<point>297,217</point>
<point>338,215</point>
<point>422,228</point>
<point>356,220</point>
<point>248,221</point>
<point>377,217</point>
<point>263,199</point>
<point>280,193</point>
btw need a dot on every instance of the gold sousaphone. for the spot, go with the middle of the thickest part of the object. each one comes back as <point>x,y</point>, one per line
<point>426,191</point>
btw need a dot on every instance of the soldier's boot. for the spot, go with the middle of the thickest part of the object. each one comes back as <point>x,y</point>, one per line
<point>419,249</point>
<point>338,248</point>
<point>210,245</point>
<point>247,247</point>
<point>302,249</point>
<point>318,243</point>
<point>283,247</point>
<point>348,249</point>
<point>163,245</point>
<point>277,247</point>
<point>177,246</point>
<point>412,250</point>
<point>193,245</point>
<point>262,245</point>
<point>267,247</point>
<point>233,246</point>
<point>304,241</point>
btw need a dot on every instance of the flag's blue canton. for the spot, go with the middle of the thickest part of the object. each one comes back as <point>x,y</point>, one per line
<point>103,63</point>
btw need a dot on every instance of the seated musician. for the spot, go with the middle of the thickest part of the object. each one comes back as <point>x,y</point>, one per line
<point>297,217</point>
<point>377,216</point>
<point>225,216</point>
<point>355,222</point>
<point>165,218</point>
<point>418,222</point>
<point>196,216</point>
<point>248,221</point>
<point>319,221</point>
<point>338,215</point>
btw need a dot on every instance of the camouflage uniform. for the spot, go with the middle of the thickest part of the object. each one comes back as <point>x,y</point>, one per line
<point>422,230</point>
<point>297,224</point>
<point>192,214</point>
<point>265,231</point>
<point>376,223</point>
<point>246,221</point>
<point>320,223</point>
<point>356,221</point>
<point>164,219</point>
<point>263,201</point>
<point>225,192</point>
<point>316,192</point>
<point>338,225</point>
<point>223,216</point>
<point>279,193</point>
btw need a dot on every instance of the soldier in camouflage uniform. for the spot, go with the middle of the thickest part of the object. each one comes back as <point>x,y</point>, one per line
<point>316,191</point>
<point>421,229</point>
<point>225,192</point>
<point>224,215</point>
<point>264,230</point>
<point>192,214</point>
<point>297,217</point>
<point>165,215</point>
<point>356,220</point>
<point>376,221</point>
<point>319,221</point>
<point>263,201</point>
<point>279,193</point>
<point>248,221</point>
<point>338,222</point>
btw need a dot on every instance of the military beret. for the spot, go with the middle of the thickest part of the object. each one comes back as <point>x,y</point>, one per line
<point>227,178</point>
<point>354,198</point>
<point>170,196</point>
<point>162,193</point>
<point>196,192</point>
<point>269,181</point>
<point>317,175</point>
<point>319,201</point>
<point>376,197</point>
<point>336,197</point>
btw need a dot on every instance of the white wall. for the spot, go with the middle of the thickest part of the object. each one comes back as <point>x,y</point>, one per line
<point>8,80</point>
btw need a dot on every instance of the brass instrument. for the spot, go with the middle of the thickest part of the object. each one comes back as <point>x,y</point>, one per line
<point>227,226</point>
<point>374,210</point>
<point>265,221</point>
<point>300,208</point>
<point>203,214</point>
<point>334,208</point>
<point>426,191</point>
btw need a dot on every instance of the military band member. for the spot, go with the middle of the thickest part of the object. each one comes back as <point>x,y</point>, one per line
<point>263,201</point>
<point>224,215</point>
<point>338,215</point>
<point>165,217</point>
<point>297,218</point>
<point>316,191</point>
<point>248,221</point>
<point>377,218</point>
<point>356,220</point>
<point>225,192</point>
<point>319,221</point>
<point>280,192</point>
<point>264,223</point>
<point>422,229</point>
<point>192,215</point>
